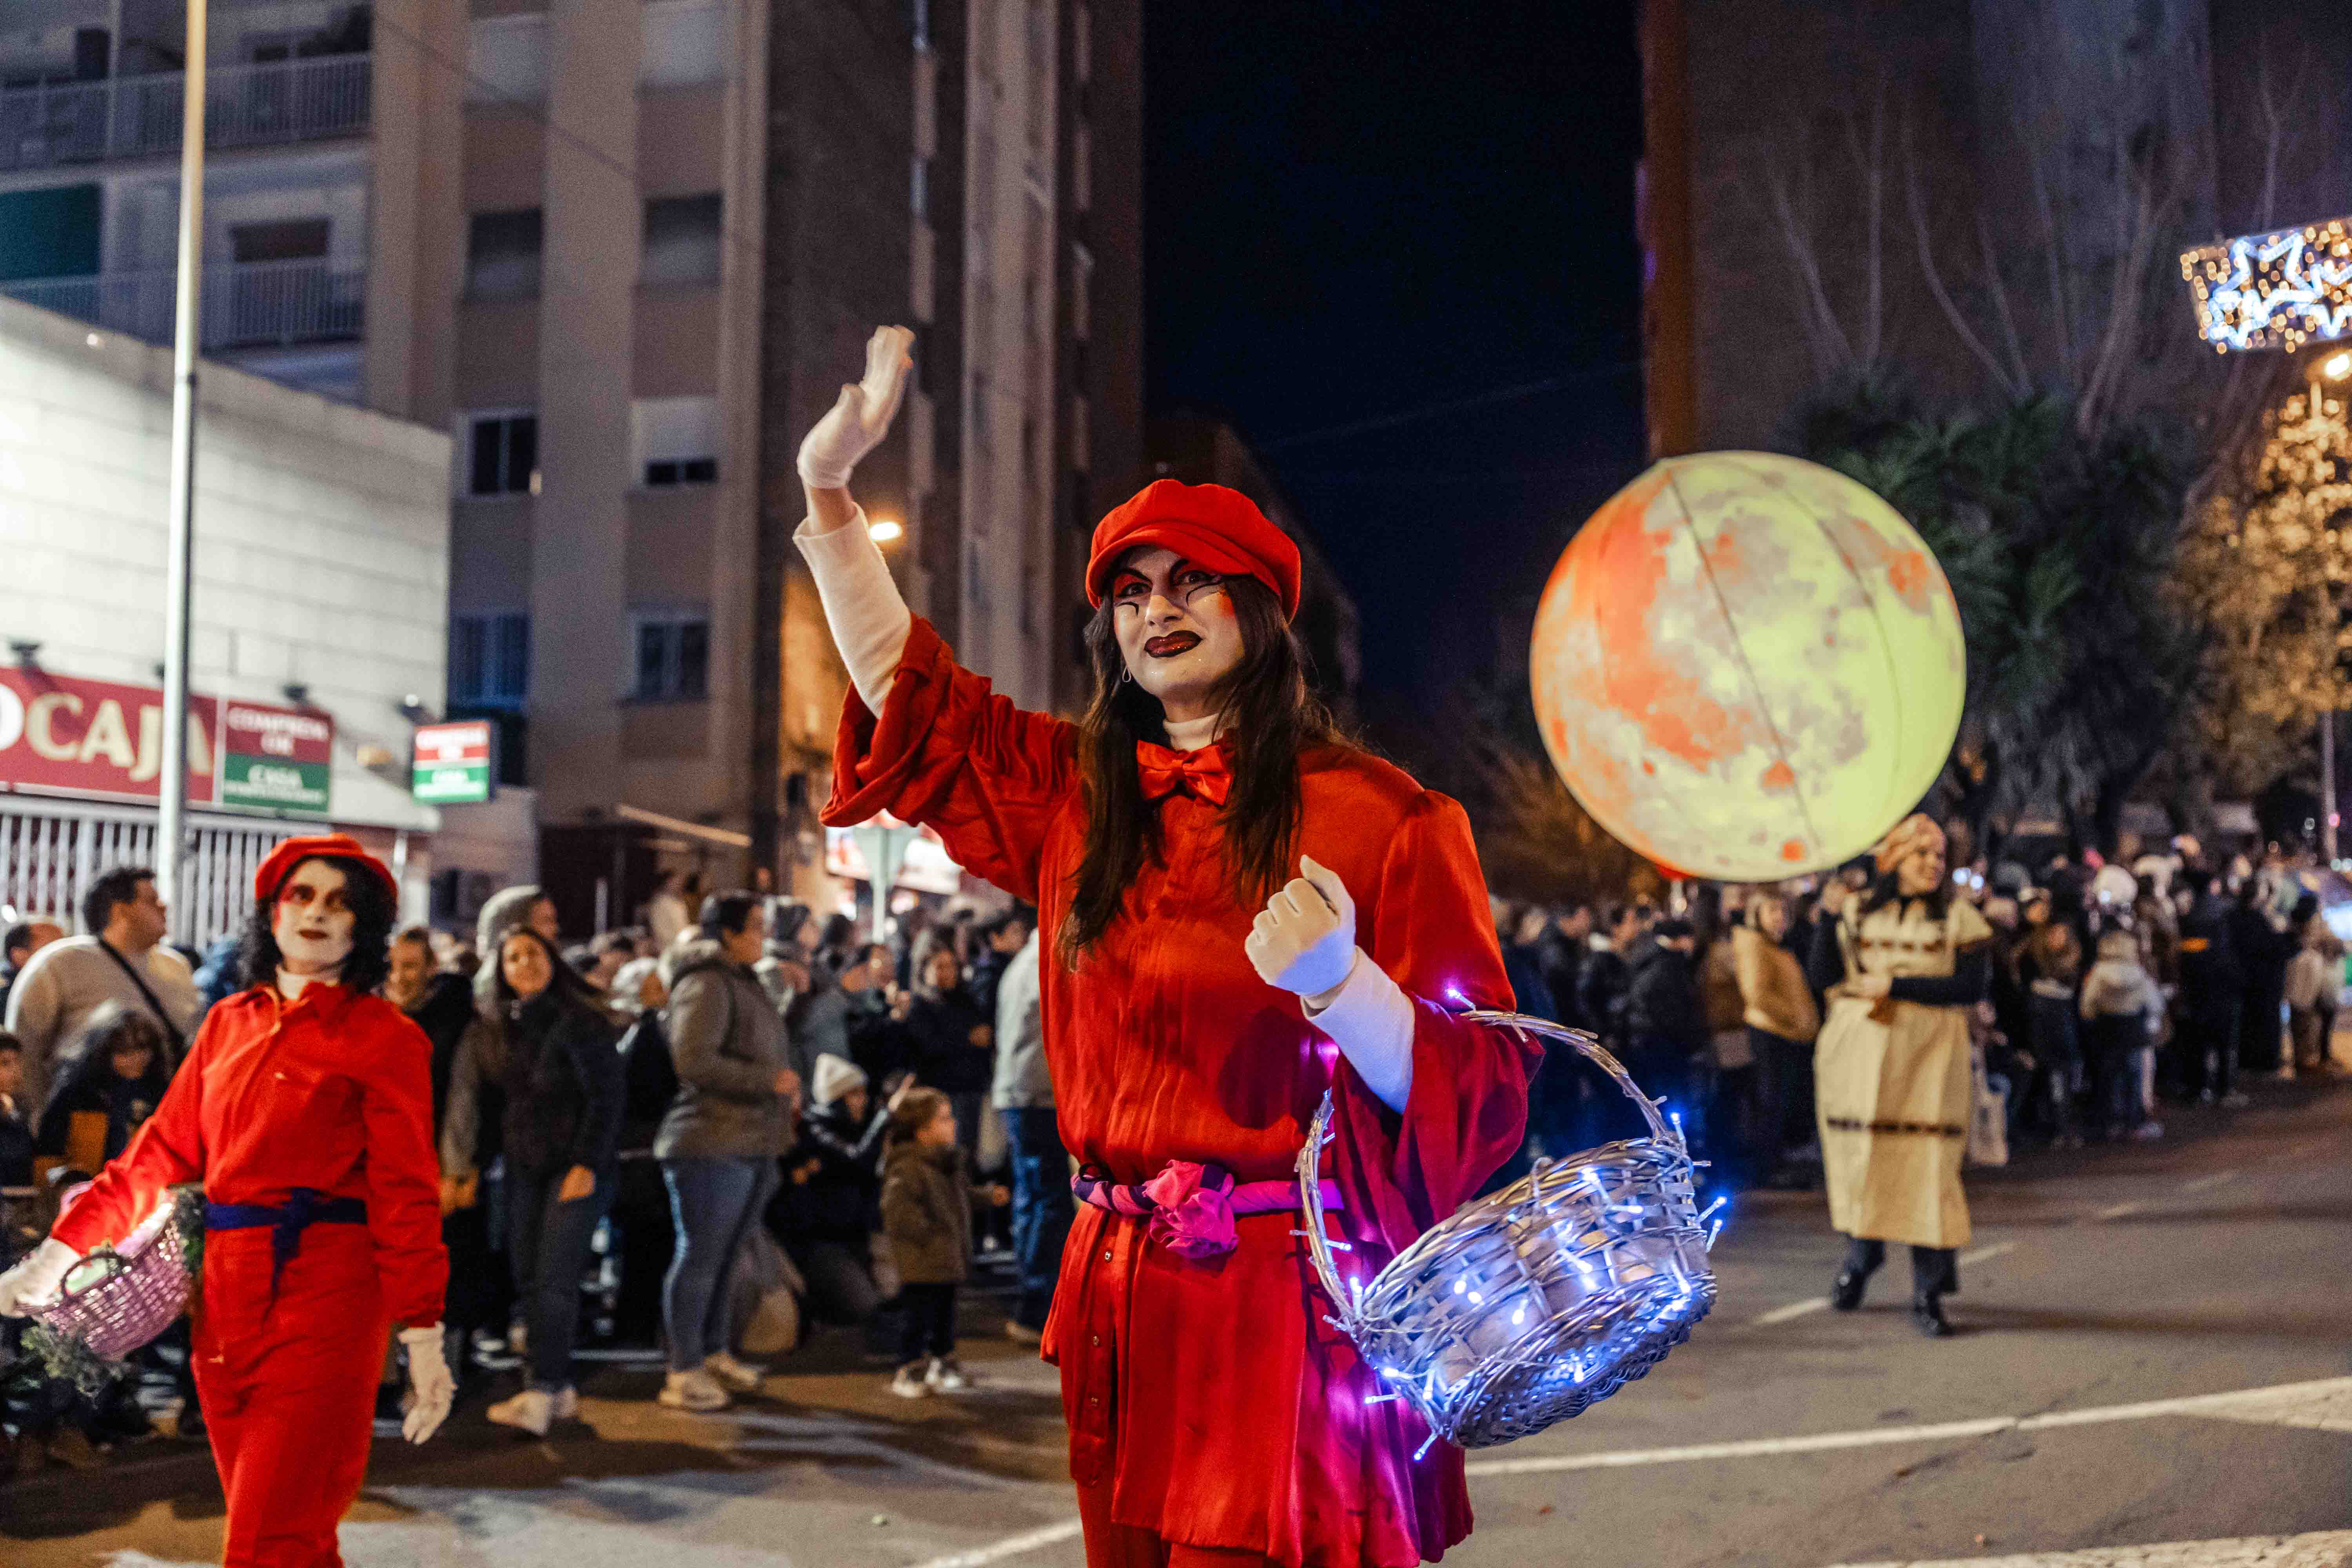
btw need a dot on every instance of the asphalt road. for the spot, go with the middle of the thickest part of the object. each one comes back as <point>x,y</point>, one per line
<point>2113,1300</point>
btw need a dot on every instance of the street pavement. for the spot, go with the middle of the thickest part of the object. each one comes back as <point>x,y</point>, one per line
<point>2153,1371</point>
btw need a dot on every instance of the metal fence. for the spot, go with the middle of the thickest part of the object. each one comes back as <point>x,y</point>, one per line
<point>137,116</point>
<point>248,304</point>
<point>50,853</point>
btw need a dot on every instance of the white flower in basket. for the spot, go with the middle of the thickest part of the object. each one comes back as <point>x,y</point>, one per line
<point>120,1297</point>
<point>1535,1302</point>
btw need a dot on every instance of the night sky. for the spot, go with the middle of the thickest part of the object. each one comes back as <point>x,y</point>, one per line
<point>1357,211</point>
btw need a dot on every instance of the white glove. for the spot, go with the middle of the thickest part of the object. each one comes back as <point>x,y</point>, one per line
<point>431,1389</point>
<point>1305,938</point>
<point>856,422</point>
<point>37,1278</point>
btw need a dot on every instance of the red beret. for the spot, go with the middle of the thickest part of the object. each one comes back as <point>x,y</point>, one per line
<point>294,851</point>
<point>1215,526</point>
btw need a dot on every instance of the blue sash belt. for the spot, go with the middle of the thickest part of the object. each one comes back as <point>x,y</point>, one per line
<point>304,1208</point>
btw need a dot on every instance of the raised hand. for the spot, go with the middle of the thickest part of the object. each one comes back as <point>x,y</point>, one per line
<point>861,416</point>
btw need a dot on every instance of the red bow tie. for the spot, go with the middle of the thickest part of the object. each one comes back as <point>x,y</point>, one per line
<point>1200,774</point>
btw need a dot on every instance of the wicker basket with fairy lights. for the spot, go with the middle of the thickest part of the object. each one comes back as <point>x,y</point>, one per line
<point>1535,1302</point>
<point>119,1298</point>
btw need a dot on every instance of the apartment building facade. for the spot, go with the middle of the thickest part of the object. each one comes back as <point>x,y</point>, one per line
<point>625,252</point>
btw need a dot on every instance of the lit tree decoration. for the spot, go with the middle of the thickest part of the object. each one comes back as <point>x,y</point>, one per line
<point>2264,570</point>
<point>2276,291</point>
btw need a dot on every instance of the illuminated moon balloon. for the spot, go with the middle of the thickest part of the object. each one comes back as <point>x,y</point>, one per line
<point>1747,667</point>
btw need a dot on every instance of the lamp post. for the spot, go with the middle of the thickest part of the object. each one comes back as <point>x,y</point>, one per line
<point>2336,367</point>
<point>171,789</point>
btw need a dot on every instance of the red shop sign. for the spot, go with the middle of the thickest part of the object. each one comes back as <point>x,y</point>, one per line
<point>70,736</point>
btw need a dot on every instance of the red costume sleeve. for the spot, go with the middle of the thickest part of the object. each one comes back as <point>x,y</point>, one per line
<point>948,753</point>
<point>166,1150</point>
<point>404,1196</point>
<point>1467,1109</point>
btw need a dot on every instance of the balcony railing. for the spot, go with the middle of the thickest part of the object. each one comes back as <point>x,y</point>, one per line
<point>134,116</point>
<point>248,304</point>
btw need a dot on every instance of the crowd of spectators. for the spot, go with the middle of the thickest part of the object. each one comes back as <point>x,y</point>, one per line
<point>710,1143</point>
<point>2114,990</point>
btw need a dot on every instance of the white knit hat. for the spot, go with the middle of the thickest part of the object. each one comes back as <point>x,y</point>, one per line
<point>835,1077</point>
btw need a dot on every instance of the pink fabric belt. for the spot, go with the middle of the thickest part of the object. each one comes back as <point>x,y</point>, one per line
<point>1191,1206</point>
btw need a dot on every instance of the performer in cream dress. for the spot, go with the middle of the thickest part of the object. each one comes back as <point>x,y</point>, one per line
<point>1901,965</point>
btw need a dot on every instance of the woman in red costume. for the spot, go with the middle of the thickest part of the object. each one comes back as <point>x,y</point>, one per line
<point>305,1108</point>
<point>1241,911</point>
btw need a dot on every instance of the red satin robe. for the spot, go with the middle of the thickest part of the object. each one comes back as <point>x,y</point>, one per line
<point>1221,1408</point>
<point>330,1091</point>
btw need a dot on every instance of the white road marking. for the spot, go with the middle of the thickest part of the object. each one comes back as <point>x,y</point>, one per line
<point>2320,1549</point>
<point>1793,1310</point>
<point>1010,1546</point>
<point>2274,1405</point>
<point>1796,1309</point>
<point>2203,1182</point>
<point>2118,1211</point>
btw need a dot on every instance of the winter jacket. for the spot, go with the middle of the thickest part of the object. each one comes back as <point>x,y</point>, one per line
<point>2117,986</point>
<point>940,1029</point>
<point>443,1013</point>
<point>1604,993</point>
<point>538,1084</point>
<point>928,1198</point>
<point>648,1082</point>
<point>1021,1079</point>
<point>1663,1003</point>
<point>1773,994</point>
<point>842,1198</point>
<point>1529,993</point>
<point>1561,958</point>
<point>563,1085</point>
<point>728,1044</point>
<point>818,1018</point>
<point>1718,987</point>
<point>2212,981</point>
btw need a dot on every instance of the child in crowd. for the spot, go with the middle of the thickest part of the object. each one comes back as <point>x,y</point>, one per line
<point>109,1093</point>
<point>927,1196</point>
<point>2121,1007</point>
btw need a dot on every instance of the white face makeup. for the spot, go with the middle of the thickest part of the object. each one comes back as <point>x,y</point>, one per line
<point>312,921</point>
<point>1176,626</point>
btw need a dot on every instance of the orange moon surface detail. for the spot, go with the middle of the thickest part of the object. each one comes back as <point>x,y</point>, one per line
<point>1748,666</point>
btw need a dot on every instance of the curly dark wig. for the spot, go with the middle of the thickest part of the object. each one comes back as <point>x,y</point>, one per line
<point>372,920</point>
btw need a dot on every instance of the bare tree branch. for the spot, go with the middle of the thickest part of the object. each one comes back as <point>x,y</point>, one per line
<point>2009,387</point>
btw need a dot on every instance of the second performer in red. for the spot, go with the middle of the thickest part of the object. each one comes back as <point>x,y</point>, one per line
<point>305,1110</point>
<point>1241,911</point>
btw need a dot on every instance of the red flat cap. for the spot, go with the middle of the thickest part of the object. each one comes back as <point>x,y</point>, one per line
<point>1215,526</point>
<point>294,851</point>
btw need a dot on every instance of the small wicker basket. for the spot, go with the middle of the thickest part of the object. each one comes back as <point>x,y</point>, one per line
<point>1532,1304</point>
<point>119,1298</point>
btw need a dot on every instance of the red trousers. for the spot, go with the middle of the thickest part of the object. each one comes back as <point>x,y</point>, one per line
<point>288,1389</point>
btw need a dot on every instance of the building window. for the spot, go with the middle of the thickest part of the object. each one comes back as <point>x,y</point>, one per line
<point>673,658</point>
<point>490,660</point>
<point>502,255</point>
<point>681,239</point>
<point>290,240</point>
<point>683,43</point>
<point>506,59</point>
<point>676,440</point>
<point>502,454</point>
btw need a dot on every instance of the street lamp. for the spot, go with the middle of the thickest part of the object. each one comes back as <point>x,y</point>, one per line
<point>2335,367</point>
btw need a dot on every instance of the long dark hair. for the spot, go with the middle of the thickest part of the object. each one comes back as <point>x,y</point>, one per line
<point>565,987</point>
<point>372,916</point>
<point>1273,717</point>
